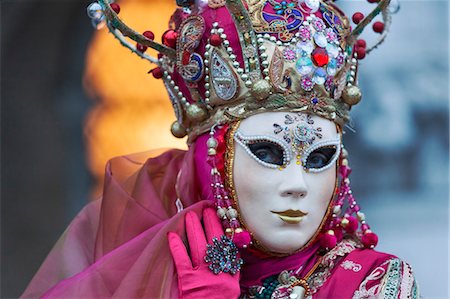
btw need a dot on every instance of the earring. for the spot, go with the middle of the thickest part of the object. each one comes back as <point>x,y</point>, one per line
<point>352,218</point>
<point>225,210</point>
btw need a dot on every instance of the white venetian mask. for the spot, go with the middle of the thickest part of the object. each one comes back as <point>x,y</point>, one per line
<point>284,176</point>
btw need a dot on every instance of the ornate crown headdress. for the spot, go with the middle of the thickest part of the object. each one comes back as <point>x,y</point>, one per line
<point>224,60</point>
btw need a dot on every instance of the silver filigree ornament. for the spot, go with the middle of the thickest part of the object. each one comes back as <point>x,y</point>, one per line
<point>305,134</point>
<point>222,256</point>
<point>223,79</point>
<point>191,32</point>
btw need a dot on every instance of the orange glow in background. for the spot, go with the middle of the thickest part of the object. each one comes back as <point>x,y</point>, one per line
<point>133,111</point>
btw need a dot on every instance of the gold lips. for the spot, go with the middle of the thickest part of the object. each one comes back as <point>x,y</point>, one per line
<point>291,216</point>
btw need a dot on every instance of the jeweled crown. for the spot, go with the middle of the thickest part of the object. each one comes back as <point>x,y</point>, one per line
<point>224,60</point>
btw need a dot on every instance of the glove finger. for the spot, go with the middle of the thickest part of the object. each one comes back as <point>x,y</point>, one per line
<point>179,253</point>
<point>196,237</point>
<point>213,227</point>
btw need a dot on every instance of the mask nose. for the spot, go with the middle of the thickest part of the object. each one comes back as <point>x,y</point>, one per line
<point>294,184</point>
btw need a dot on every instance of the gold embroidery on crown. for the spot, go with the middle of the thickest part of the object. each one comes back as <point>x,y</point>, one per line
<point>216,3</point>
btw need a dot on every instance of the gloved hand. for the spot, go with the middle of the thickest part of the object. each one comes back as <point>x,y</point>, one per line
<point>195,279</point>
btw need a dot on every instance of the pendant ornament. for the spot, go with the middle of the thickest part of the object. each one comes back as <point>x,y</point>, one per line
<point>223,79</point>
<point>196,113</point>
<point>190,64</point>
<point>178,130</point>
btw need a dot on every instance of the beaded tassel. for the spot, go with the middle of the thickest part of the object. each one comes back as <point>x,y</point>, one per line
<point>225,210</point>
<point>352,218</point>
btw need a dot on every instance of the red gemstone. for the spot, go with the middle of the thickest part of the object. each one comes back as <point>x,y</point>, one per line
<point>149,35</point>
<point>141,48</point>
<point>157,73</point>
<point>378,27</point>
<point>373,1</point>
<point>215,40</point>
<point>361,43</point>
<point>320,56</point>
<point>169,38</point>
<point>360,53</point>
<point>115,7</point>
<point>357,17</point>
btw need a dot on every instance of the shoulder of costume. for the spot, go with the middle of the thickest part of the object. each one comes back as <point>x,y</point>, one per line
<point>365,272</point>
<point>394,276</point>
<point>389,276</point>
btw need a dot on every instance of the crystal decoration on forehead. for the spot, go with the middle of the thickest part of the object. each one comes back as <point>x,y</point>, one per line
<point>224,60</point>
<point>298,129</point>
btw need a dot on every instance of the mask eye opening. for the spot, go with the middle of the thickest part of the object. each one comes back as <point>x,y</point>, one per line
<point>245,141</point>
<point>333,144</point>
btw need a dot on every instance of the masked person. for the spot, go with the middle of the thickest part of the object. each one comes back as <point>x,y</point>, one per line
<point>260,204</point>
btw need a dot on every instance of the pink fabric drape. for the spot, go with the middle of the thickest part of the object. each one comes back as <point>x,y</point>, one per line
<point>117,246</point>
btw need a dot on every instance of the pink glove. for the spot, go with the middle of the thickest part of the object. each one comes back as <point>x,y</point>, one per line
<point>195,278</point>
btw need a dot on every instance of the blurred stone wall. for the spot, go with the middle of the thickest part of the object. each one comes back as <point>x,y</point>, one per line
<point>44,181</point>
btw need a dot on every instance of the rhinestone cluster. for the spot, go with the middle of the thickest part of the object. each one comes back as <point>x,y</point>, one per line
<point>222,256</point>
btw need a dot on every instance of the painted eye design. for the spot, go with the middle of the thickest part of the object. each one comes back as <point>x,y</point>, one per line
<point>321,157</point>
<point>268,152</point>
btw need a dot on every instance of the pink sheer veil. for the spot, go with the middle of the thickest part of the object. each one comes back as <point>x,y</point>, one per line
<point>117,246</point>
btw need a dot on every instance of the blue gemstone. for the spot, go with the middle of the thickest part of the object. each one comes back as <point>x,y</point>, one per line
<point>304,66</point>
<point>332,63</point>
<point>319,76</point>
